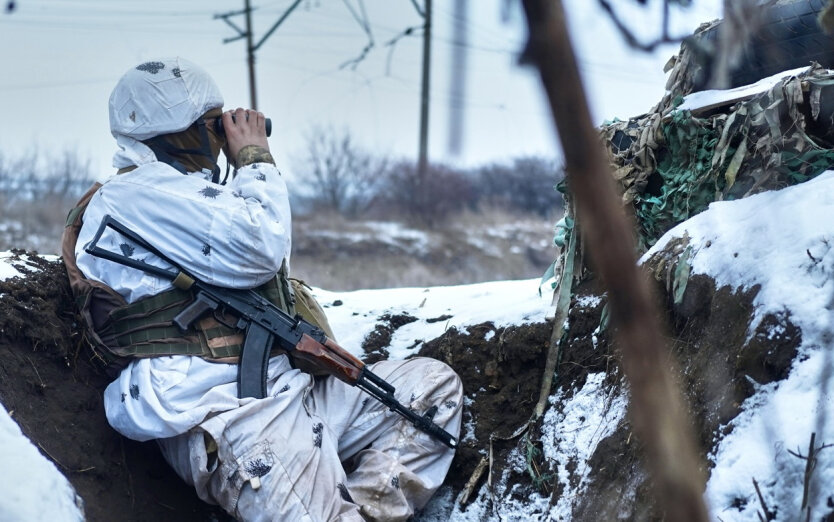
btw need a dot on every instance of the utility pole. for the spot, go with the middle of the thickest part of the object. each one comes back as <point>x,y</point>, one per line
<point>422,161</point>
<point>250,56</point>
<point>247,33</point>
<point>457,89</point>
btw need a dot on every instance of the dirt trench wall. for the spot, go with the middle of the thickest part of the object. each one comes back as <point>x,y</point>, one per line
<point>55,395</point>
<point>54,392</point>
<point>717,357</point>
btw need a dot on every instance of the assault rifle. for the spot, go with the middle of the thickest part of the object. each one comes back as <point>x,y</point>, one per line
<point>264,325</point>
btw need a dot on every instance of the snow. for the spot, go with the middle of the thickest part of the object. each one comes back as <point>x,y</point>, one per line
<point>33,488</point>
<point>713,97</point>
<point>573,434</point>
<point>396,235</point>
<point>780,241</point>
<point>7,271</point>
<point>11,264</point>
<point>436,308</point>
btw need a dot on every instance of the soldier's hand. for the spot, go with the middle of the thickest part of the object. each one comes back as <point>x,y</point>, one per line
<point>248,127</point>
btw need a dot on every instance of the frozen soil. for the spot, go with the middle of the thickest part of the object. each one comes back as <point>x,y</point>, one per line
<point>54,392</point>
<point>716,357</point>
<point>501,373</point>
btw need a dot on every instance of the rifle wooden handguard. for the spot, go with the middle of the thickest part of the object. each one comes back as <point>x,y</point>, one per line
<point>313,357</point>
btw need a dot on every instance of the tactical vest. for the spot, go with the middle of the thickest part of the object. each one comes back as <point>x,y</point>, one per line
<point>118,332</point>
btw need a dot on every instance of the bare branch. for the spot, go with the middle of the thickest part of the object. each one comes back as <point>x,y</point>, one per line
<point>657,411</point>
<point>768,515</point>
<point>810,464</point>
<point>353,63</point>
<point>392,43</point>
<point>629,36</point>
<point>742,19</point>
<point>364,23</point>
<point>362,19</point>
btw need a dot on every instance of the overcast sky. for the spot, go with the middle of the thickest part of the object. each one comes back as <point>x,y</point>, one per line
<point>62,58</point>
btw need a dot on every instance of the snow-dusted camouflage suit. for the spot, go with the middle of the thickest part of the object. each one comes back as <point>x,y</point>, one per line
<point>283,457</point>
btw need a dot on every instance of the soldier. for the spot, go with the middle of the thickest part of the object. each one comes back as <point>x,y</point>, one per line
<point>312,448</point>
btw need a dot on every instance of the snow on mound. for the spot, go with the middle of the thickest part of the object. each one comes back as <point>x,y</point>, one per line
<point>33,489</point>
<point>714,97</point>
<point>14,264</point>
<point>784,242</point>
<point>353,315</point>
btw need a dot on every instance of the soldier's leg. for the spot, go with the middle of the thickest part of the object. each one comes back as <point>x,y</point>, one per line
<point>397,467</point>
<point>275,459</point>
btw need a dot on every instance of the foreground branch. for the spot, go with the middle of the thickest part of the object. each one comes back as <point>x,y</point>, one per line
<point>657,409</point>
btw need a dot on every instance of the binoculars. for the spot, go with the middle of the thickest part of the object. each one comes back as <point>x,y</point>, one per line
<point>218,126</point>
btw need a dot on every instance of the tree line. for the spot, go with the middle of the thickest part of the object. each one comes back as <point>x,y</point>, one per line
<point>338,175</point>
<point>335,175</point>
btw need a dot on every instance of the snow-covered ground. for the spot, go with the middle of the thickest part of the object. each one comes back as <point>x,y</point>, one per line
<point>783,241</point>
<point>436,308</point>
<point>33,490</point>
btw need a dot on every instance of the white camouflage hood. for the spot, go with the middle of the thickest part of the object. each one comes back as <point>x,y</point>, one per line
<point>157,97</point>
<point>161,97</point>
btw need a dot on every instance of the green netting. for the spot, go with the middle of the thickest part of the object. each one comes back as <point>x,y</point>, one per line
<point>800,167</point>
<point>688,181</point>
<point>670,164</point>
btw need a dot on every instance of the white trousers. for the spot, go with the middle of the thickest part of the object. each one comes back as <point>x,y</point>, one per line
<point>284,457</point>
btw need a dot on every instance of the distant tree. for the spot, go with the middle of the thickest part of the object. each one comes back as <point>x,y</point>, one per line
<point>431,199</point>
<point>34,175</point>
<point>527,184</point>
<point>339,175</point>
<point>36,192</point>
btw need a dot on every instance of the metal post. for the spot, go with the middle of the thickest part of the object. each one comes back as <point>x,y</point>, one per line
<point>457,89</point>
<point>422,162</point>
<point>250,56</point>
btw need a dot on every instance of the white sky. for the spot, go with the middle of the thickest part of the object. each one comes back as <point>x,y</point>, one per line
<point>62,57</point>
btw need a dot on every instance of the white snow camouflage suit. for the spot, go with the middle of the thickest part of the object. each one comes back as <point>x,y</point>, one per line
<point>282,457</point>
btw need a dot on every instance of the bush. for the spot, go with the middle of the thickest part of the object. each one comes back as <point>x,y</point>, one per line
<point>527,184</point>
<point>429,199</point>
<point>36,193</point>
<point>338,175</point>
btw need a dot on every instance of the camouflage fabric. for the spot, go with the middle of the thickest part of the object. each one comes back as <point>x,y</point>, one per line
<point>253,154</point>
<point>670,164</point>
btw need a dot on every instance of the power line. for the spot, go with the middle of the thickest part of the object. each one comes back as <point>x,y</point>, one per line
<point>250,47</point>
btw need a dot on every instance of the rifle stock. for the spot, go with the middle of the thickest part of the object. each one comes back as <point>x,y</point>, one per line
<point>265,325</point>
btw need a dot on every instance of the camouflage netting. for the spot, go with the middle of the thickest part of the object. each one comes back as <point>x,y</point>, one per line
<point>670,164</point>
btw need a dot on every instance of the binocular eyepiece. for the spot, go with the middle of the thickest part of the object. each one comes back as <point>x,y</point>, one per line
<point>218,126</point>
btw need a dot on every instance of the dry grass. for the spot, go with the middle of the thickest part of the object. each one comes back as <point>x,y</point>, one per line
<point>333,253</point>
<point>336,254</point>
<point>34,225</point>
